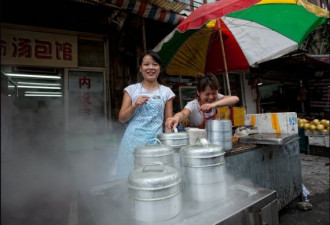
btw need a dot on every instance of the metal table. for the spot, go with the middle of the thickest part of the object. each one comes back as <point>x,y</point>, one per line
<point>273,164</point>
<point>268,139</point>
<point>108,204</point>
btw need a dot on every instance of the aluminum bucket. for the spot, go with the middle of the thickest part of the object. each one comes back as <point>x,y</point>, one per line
<point>148,154</point>
<point>155,193</point>
<point>176,140</point>
<point>218,125</point>
<point>203,163</point>
<point>219,136</point>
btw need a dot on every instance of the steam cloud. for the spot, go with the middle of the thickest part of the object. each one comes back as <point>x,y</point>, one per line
<point>43,167</point>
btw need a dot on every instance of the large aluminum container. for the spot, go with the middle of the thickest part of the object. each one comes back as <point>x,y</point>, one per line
<point>227,145</point>
<point>203,170</point>
<point>219,136</point>
<point>218,125</point>
<point>202,163</point>
<point>147,154</point>
<point>155,193</point>
<point>219,132</point>
<point>176,140</point>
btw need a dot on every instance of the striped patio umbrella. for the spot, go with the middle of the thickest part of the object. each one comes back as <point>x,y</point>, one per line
<point>231,35</point>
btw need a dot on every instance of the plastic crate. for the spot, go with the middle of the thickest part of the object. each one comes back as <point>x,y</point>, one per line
<point>318,138</point>
<point>319,150</point>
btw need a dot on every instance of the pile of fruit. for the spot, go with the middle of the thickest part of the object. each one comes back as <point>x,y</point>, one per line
<point>314,125</point>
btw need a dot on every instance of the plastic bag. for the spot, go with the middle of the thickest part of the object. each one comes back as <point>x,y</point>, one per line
<point>305,193</point>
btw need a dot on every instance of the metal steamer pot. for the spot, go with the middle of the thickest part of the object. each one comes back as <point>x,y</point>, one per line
<point>203,170</point>
<point>148,154</point>
<point>155,193</point>
<point>176,140</point>
<point>218,125</point>
<point>219,132</point>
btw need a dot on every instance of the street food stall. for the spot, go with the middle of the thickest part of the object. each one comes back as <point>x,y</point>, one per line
<point>262,170</point>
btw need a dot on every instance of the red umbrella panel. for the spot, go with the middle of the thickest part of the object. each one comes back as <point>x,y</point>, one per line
<point>253,31</point>
<point>234,57</point>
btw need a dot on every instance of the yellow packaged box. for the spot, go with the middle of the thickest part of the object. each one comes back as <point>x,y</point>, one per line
<point>275,123</point>
<point>238,116</point>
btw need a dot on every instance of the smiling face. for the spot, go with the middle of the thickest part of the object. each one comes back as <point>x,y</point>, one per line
<point>207,88</point>
<point>149,68</point>
<point>208,95</point>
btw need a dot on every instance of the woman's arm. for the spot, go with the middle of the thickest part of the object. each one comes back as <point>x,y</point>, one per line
<point>127,108</point>
<point>226,100</point>
<point>168,112</point>
<point>168,109</point>
<point>172,122</point>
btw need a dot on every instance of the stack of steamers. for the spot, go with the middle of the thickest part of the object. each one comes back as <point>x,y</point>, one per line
<point>171,167</point>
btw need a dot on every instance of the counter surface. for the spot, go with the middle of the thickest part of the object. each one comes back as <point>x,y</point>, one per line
<point>268,139</point>
<point>240,148</point>
<point>109,204</point>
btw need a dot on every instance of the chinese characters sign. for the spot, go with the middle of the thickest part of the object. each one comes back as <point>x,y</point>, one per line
<point>86,99</point>
<point>38,49</point>
<point>85,96</point>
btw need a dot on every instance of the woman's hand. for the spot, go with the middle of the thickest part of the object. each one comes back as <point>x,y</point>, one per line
<point>224,101</point>
<point>206,107</point>
<point>128,108</point>
<point>140,101</point>
<point>171,122</point>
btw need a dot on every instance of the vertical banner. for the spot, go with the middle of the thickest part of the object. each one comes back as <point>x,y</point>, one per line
<point>86,101</point>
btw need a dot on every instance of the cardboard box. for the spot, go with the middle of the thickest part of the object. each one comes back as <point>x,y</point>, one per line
<point>238,116</point>
<point>274,123</point>
<point>223,113</point>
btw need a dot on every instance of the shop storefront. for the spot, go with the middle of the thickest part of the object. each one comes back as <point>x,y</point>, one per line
<point>63,73</point>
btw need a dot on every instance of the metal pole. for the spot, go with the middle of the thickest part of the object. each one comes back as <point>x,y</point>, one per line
<point>224,57</point>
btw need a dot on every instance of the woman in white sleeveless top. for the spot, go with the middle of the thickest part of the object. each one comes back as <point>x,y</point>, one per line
<point>145,106</point>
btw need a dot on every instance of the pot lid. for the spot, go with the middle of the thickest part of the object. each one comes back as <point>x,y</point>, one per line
<point>202,150</point>
<point>172,136</point>
<point>153,150</point>
<point>154,177</point>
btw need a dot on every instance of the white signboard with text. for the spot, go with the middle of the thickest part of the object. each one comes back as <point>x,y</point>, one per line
<point>38,49</point>
<point>86,100</point>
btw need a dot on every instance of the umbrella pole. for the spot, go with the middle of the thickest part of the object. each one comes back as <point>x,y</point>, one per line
<point>224,57</point>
